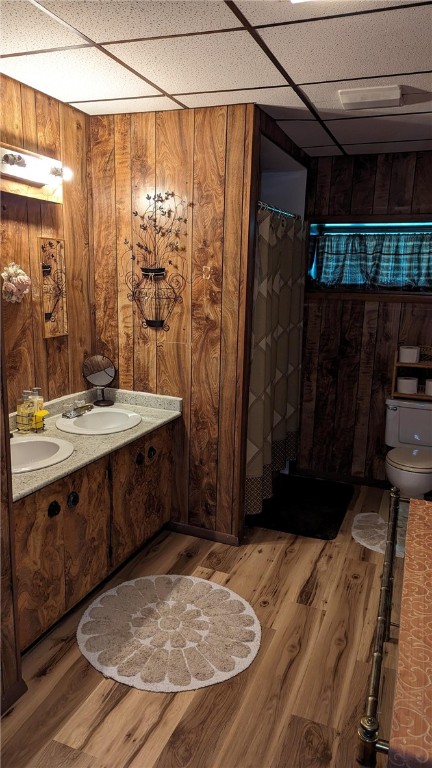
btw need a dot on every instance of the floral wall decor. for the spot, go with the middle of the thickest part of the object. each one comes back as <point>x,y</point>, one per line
<point>16,283</point>
<point>158,273</point>
<point>54,301</point>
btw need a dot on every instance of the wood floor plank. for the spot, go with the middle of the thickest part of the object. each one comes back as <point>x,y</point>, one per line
<point>116,722</point>
<point>258,728</point>
<point>198,739</point>
<point>326,687</point>
<point>298,704</point>
<point>306,744</point>
<point>56,708</point>
<point>56,755</point>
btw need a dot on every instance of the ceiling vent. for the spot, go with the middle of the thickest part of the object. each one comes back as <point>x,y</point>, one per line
<point>370,98</point>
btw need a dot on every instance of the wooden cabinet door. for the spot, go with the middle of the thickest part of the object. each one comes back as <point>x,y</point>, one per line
<point>141,477</point>
<point>129,498</point>
<point>86,526</point>
<point>159,473</point>
<point>39,547</point>
<point>61,547</point>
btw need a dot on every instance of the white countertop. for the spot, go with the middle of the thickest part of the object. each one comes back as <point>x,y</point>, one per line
<point>156,411</point>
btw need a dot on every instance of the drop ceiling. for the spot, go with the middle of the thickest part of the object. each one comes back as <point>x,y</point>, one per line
<point>116,56</point>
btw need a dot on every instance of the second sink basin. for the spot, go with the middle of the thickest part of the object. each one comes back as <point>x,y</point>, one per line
<point>29,453</point>
<point>99,421</point>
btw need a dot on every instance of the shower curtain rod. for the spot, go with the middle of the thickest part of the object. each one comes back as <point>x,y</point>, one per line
<point>267,207</point>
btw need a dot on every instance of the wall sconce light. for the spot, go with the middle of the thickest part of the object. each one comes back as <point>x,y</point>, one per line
<point>32,175</point>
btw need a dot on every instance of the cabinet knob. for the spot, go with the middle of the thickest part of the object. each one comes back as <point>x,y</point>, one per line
<point>53,509</point>
<point>139,459</point>
<point>73,499</point>
<point>151,453</point>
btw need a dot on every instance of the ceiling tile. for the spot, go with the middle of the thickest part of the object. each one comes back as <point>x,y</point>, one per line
<point>373,129</point>
<point>126,106</point>
<point>104,21</point>
<point>305,133</point>
<point>330,50</point>
<point>275,11</point>
<point>416,93</point>
<point>35,32</point>
<point>80,74</point>
<point>391,146</point>
<point>281,102</point>
<point>201,63</point>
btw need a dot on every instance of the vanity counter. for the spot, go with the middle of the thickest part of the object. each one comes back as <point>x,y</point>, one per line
<point>156,410</point>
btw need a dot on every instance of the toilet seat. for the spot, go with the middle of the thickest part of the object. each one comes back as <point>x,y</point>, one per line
<point>411,459</point>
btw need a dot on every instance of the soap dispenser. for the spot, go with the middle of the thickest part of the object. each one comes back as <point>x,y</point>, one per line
<point>39,412</point>
<point>37,398</point>
<point>25,411</point>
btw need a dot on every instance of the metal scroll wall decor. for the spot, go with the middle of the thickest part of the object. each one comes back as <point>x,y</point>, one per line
<point>158,273</point>
<point>54,304</point>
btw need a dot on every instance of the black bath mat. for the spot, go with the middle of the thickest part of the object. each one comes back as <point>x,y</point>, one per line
<point>304,506</point>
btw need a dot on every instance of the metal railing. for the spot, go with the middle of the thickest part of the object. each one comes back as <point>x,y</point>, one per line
<point>368,728</point>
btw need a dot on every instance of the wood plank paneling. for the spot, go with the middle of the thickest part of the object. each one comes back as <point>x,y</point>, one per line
<point>386,186</point>
<point>232,247</point>
<point>341,185</point>
<point>79,269</point>
<point>347,384</point>
<point>143,183</point>
<point>123,203</point>
<point>40,123</point>
<point>251,185</point>
<point>382,184</point>
<point>323,186</point>
<point>363,187</point>
<point>364,391</point>
<point>326,388</point>
<point>209,172</point>
<point>174,171</point>
<point>370,332</point>
<point>402,182</point>
<point>422,193</point>
<point>11,681</point>
<point>104,238</point>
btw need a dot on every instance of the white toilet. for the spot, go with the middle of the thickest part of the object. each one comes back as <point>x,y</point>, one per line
<point>409,435</point>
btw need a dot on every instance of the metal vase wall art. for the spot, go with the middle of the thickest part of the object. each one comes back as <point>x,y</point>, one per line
<point>54,303</point>
<point>158,273</point>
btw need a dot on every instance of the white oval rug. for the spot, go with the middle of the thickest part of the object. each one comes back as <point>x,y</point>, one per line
<point>370,530</point>
<point>169,633</point>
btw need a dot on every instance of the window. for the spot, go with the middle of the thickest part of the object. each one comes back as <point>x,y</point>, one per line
<point>371,256</point>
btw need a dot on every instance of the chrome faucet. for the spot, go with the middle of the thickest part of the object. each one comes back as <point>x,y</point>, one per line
<point>77,410</point>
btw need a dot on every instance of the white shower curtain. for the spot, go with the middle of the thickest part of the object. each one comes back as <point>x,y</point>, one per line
<point>277,327</point>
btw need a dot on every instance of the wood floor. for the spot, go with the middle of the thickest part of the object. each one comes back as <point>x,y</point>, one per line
<point>296,706</point>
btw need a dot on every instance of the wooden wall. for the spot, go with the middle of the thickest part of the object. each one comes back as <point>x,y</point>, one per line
<point>205,156</point>
<point>370,185</point>
<point>350,339</point>
<point>34,121</point>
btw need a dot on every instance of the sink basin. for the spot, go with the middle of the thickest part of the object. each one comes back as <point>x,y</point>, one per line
<point>35,452</point>
<point>99,421</point>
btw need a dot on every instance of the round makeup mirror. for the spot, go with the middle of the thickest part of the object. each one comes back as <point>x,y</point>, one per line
<point>99,371</point>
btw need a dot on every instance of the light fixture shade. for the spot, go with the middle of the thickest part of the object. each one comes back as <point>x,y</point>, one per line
<point>369,98</point>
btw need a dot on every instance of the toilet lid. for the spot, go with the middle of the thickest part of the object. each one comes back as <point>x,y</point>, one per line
<point>414,459</point>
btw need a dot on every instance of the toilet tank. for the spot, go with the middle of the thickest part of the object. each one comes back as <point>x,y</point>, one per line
<point>408,422</point>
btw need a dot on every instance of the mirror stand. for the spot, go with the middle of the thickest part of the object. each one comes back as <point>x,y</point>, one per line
<point>100,372</point>
<point>103,401</point>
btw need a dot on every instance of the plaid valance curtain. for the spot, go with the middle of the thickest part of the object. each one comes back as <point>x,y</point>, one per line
<point>374,260</point>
